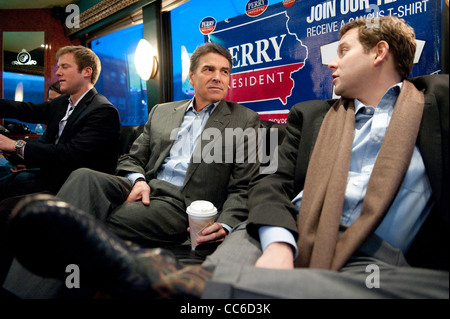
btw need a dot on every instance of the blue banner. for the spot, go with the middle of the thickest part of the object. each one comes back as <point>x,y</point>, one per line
<point>281,52</point>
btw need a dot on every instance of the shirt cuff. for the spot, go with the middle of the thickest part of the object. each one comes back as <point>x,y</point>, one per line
<point>227,228</point>
<point>132,177</point>
<point>272,234</point>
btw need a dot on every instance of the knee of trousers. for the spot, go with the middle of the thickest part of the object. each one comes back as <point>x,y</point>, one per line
<point>82,175</point>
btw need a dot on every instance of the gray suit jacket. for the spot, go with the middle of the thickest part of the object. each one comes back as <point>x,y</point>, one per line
<point>223,183</point>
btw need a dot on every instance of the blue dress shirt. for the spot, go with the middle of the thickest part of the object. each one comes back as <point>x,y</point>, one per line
<point>174,167</point>
<point>413,201</point>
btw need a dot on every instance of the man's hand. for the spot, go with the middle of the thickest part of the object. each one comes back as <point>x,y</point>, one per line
<point>277,256</point>
<point>214,232</point>
<point>140,190</point>
<point>18,168</point>
<point>7,144</point>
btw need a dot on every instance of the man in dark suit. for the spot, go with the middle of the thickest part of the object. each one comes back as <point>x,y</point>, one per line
<point>339,213</point>
<point>82,131</point>
<point>165,170</point>
<point>8,171</point>
<point>82,127</point>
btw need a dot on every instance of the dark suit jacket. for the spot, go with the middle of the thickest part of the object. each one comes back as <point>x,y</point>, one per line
<point>270,196</point>
<point>224,184</point>
<point>90,137</point>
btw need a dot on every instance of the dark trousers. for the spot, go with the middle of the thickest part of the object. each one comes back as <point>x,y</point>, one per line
<point>162,223</point>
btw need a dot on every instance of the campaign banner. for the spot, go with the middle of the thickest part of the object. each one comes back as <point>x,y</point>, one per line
<point>281,52</point>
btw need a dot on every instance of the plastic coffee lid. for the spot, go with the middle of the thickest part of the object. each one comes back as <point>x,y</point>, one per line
<point>201,209</point>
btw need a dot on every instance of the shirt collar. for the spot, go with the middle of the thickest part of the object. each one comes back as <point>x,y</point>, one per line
<point>81,97</point>
<point>392,91</point>
<point>210,108</point>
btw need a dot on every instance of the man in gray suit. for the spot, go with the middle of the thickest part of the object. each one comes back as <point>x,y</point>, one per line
<point>165,170</point>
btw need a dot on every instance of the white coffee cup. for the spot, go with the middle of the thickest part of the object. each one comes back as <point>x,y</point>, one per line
<point>201,214</point>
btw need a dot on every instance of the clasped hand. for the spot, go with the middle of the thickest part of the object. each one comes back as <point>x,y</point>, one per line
<point>140,191</point>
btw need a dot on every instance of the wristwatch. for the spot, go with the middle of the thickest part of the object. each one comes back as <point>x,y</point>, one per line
<point>19,145</point>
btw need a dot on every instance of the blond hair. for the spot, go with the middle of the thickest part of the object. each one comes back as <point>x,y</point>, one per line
<point>84,57</point>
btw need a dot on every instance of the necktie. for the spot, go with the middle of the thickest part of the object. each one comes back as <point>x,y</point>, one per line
<point>63,122</point>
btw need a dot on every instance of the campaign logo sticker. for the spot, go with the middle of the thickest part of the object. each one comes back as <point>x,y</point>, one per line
<point>207,25</point>
<point>288,3</point>
<point>254,8</point>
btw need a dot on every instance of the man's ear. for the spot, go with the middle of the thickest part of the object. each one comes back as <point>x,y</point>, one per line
<point>191,74</point>
<point>381,50</point>
<point>87,72</point>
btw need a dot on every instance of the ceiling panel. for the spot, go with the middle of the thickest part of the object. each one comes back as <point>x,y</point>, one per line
<point>33,4</point>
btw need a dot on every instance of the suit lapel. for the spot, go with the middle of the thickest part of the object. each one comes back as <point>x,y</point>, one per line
<point>429,142</point>
<point>78,111</point>
<point>60,106</point>
<point>174,120</point>
<point>314,117</point>
<point>219,120</point>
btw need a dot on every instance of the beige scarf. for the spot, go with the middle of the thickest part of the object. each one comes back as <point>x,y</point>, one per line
<point>326,180</point>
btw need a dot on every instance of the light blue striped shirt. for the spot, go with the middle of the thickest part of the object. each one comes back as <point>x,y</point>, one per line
<point>413,201</point>
<point>174,167</point>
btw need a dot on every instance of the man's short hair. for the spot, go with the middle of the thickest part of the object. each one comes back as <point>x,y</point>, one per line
<point>396,32</point>
<point>209,47</point>
<point>84,57</point>
<point>55,86</point>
